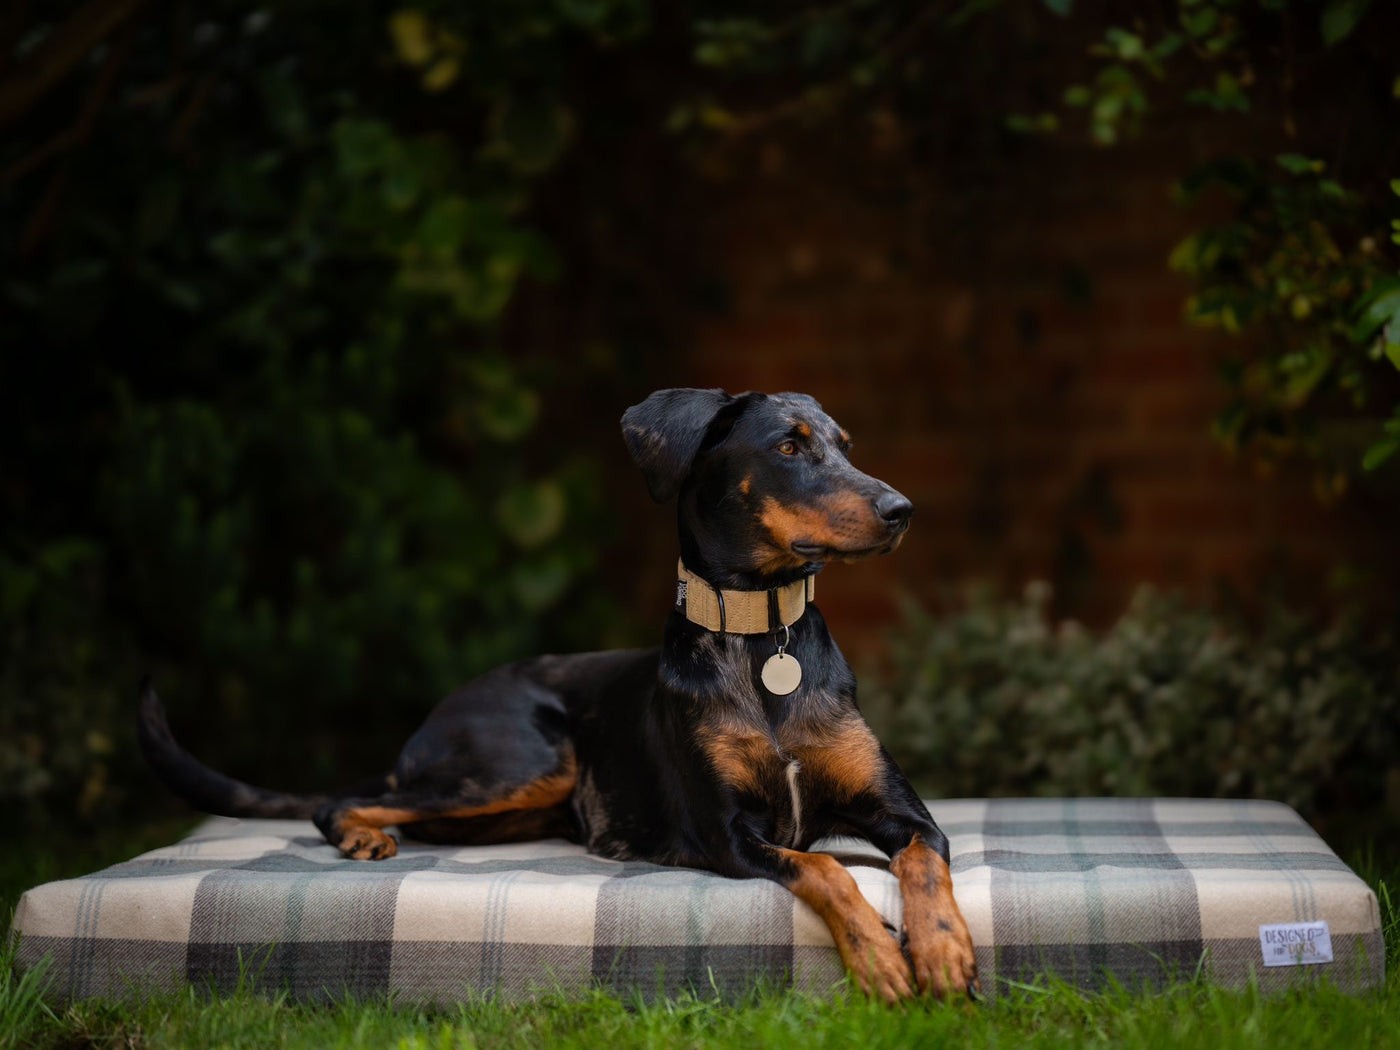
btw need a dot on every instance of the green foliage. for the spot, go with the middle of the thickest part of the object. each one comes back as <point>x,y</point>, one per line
<point>1117,99</point>
<point>23,1011</point>
<point>1340,18</point>
<point>1387,446</point>
<point>61,721</point>
<point>262,435</point>
<point>997,700</point>
<point>1299,270</point>
<point>1290,267</point>
<point>265,435</point>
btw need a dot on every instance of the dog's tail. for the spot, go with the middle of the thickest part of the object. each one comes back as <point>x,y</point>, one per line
<point>210,790</point>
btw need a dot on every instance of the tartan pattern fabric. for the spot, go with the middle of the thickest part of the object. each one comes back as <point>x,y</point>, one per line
<point>1142,891</point>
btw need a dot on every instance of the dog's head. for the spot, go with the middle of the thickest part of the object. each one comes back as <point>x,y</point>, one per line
<point>765,489</point>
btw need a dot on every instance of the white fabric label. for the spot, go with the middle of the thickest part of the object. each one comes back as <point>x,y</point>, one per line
<point>1295,943</point>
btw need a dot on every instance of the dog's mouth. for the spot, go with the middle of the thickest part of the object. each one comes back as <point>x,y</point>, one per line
<point>847,529</point>
<point>808,550</point>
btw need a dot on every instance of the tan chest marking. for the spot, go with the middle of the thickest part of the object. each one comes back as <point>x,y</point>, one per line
<point>836,764</point>
<point>842,763</point>
<point>744,761</point>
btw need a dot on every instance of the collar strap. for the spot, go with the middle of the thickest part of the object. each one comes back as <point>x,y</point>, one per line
<point>740,612</point>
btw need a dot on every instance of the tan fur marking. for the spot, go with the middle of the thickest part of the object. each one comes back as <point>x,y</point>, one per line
<point>867,949</point>
<point>845,522</point>
<point>939,942</point>
<point>739,758</point>
<point>379,816</point>
<point>803,427</point>
<point>746,484</point>
<point>845,761</point>
<point>549,790</point>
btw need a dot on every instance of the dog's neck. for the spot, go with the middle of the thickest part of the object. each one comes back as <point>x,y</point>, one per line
<point>732,611</point>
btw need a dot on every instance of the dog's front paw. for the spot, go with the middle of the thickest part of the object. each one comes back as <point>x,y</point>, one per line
<point>366,843</point>
<point>944,961</point>
<point>880,969</point>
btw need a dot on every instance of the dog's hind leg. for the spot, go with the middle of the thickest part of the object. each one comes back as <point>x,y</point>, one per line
<point>520,825</point>
<point>356,826</point>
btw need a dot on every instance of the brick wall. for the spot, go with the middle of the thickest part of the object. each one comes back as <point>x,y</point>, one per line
<point>1021,372</point>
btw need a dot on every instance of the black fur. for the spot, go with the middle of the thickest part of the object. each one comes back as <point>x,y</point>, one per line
<point>665,432</point>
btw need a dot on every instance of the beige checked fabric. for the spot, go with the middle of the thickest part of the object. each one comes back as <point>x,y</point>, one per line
<point>1143,891</point>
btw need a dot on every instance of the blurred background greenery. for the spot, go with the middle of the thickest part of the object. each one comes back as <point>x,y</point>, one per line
<point>999,698</point>
<point>316,320</point>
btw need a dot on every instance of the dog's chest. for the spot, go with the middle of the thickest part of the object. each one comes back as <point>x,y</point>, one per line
<point>782,789</point>
<point>793,774</point>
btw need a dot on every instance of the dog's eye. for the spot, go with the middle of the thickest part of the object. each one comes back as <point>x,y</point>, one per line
<point>788,448</point>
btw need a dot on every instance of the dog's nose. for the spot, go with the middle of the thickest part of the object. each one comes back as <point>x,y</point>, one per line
<point>894,509</point>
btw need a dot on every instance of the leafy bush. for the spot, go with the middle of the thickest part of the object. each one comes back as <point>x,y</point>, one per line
<point>59,717</point>
<point>1171,700</point>
<point>263,435</point>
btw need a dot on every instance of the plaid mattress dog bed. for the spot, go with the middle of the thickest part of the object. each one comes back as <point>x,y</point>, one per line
<point>1139,890</point>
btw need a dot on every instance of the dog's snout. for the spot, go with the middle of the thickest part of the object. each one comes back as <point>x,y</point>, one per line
<point>894,510</point>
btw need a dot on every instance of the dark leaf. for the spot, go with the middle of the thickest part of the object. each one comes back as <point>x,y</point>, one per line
<point>1380,452</point>
<point>532,131</point>
<point>1340,18</point>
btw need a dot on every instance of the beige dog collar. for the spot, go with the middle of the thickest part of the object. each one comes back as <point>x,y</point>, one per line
<point>740,612</point>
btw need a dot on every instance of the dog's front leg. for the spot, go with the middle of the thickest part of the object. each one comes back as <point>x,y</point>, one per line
<point>867,949</point>
<point>939,943</point>
<point>897,822</point>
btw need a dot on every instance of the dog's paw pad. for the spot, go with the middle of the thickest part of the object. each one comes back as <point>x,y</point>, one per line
<point>366,843</point>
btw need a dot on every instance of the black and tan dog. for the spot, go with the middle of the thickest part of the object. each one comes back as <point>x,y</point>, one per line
<point>708,753</point>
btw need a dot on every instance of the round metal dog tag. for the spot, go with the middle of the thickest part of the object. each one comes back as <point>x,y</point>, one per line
<point>781,674</point>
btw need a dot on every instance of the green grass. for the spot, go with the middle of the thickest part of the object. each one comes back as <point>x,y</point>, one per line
<point>1193,1015</point>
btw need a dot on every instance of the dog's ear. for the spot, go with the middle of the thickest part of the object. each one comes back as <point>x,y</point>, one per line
<point>665,431</point>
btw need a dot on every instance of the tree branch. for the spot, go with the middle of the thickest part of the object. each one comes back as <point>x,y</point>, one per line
<point>42,220</point>
<point>56,57</point>
<point>87,119</point>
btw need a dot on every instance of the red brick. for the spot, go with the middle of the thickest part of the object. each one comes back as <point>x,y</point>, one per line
<point>910,332</point>
<point>1193,514</point>
<point>1170,364</point>
<point>1189,409</point>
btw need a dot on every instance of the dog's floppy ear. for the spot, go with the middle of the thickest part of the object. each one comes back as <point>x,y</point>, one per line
<point>664,432</point>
